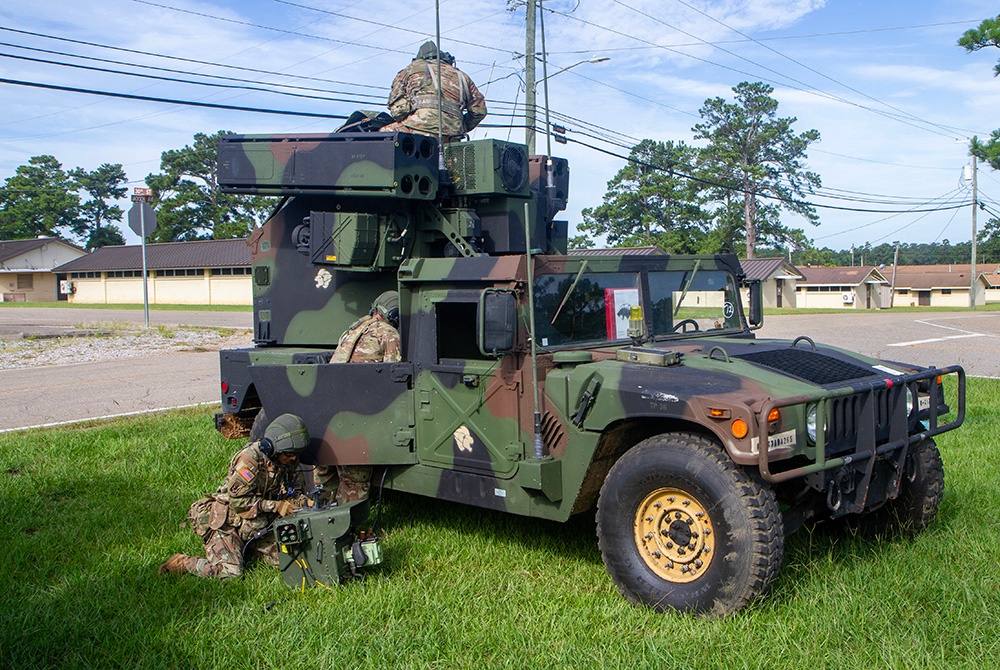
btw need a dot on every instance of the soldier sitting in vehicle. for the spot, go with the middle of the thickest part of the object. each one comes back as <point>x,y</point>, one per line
<point>263,484</point>
<point>414,103</point>
<point>370,339</point>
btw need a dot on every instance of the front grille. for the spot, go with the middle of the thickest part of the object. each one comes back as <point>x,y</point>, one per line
<point>846,419</point>
<point>808,366</point>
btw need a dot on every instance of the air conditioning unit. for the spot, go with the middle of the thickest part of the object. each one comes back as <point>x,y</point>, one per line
<point>848,298</point>
<point>66,287</point>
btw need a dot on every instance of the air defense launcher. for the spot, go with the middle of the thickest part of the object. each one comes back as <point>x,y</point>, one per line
<point>547,384</point>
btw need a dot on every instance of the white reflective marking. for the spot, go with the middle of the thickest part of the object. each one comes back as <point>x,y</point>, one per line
<point>935,339</point>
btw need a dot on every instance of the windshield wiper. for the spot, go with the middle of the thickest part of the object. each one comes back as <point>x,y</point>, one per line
<point>569,292</point>
<point>687,285</point>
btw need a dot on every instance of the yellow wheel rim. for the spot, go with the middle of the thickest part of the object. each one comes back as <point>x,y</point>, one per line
<point>674,535</point>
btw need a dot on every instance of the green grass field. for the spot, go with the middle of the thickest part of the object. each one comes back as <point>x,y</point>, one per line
<point>89,513</point>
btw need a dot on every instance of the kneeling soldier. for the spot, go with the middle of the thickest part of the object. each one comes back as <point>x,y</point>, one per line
<point>263,484</point>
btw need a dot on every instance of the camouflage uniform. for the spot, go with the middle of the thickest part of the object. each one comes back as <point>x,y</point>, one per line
<point>244,505</point>
<point>370,339</point>
<point>413,100</point>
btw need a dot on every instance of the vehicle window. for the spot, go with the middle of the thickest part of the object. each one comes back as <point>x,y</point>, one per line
<point>584,307</point>
<point>693,300</point>
<point>595,307</point>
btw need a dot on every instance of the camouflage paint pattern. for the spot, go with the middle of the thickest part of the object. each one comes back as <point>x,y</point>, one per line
<point>450,422</point>
<point>413,100</point>
<point>243,506</point>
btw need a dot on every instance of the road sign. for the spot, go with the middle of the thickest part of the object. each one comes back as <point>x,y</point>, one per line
<point>142,219</point>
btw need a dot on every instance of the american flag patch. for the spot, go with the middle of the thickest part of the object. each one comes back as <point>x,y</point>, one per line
<point>246,474</point>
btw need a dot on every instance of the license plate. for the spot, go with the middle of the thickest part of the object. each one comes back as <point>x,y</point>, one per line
<point>923,402</point>
<point>785,439</point>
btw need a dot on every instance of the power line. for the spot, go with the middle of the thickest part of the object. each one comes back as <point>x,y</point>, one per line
<point>186,60</point>
<point>181,81</point>
<point>780,37</point>
<point>766,196</point>
<point>147,98</point>
<point>285,31</point>
<point>802,86</point>
<point>817,72</point>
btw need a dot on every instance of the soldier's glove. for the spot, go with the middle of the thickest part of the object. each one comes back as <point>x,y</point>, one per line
<point>284,507</point>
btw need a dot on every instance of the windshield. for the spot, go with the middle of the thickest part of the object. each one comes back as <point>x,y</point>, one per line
<point>576,307</point>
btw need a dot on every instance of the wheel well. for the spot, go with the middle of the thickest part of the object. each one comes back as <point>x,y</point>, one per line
<point>618,438</point>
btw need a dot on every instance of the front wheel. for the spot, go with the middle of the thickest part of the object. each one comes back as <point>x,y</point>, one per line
<point>920,493</point>
<point>680,526</point>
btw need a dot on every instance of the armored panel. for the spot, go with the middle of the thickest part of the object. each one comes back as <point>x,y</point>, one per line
<point>397,165</point>
<point>487,167</point>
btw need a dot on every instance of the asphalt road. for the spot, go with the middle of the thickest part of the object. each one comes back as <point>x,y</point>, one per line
<point>970,339</point>
<point>55,394</point>
<point>64,393</point>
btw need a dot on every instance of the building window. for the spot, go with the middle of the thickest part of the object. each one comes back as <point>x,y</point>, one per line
<point>118,274</point>
<point>84,275</point>
<point>225,272</point>
<point>25,282</point>
<point>183,272</point>
<point>904,291</point>
<point>946,291</point>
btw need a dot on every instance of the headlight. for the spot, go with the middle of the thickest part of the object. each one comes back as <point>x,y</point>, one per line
<point>909,401</point>
<point>811,423</point>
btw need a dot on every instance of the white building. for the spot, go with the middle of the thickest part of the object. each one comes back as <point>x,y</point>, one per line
<point>208,272</point>
<point>26,268</point>
<point>842,288</point>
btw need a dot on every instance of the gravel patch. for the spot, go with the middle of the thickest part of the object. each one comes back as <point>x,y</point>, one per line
<point>84,347</point>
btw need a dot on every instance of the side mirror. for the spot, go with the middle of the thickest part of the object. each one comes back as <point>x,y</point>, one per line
<point>497,324</point>
<point>756,304</point>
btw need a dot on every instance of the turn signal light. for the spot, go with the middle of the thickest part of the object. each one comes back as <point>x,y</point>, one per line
<point>773,415</point>
<point>739,429</point>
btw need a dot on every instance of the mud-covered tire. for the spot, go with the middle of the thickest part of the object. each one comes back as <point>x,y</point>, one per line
<point>681,487</point>
<point>915,507</point>
<point>259,425</point>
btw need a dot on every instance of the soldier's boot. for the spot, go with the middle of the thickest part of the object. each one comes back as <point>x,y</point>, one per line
<point>175,565</point>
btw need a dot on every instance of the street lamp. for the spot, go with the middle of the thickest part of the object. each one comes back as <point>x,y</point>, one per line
<point>529,102</point>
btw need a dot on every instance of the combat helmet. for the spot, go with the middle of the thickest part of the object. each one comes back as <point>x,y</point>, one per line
<point>387,305</point>
<point>285,435</point>
<point>427,51</point>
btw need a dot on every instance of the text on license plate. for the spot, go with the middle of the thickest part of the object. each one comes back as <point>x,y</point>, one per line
<point>785,439</point>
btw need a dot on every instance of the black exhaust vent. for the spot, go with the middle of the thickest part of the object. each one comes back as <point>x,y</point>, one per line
<point>809,366</point>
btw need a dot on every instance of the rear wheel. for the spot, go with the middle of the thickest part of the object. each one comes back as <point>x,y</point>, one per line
<point>680,526</point>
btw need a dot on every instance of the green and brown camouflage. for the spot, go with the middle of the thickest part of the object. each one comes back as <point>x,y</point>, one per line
<point>632,351</point>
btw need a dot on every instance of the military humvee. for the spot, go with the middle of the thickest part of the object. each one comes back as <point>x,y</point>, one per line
<point>547,384</point>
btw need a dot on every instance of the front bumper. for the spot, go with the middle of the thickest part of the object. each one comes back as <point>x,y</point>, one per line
<point>862,423</point>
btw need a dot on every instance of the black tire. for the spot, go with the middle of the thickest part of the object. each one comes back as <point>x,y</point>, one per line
<point>259,425</point>
<point>916,505</point>
<point>683,488</point>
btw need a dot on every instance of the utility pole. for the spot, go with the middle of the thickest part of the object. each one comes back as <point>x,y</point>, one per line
<point>975,207</point>
<point>895,262</point>
<point>529,77</point>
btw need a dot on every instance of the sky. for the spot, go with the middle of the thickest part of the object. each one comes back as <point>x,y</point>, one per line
<point>894,98</point>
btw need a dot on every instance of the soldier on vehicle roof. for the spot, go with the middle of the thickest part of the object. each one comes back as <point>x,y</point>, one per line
<point>370,339</point>
<point>413,100</point>
<point>263,484</point>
